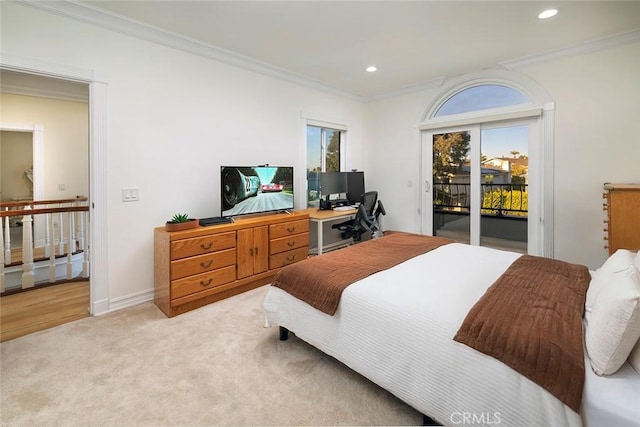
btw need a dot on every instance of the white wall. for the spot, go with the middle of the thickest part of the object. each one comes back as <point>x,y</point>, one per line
<point>65,130</point>
<point>597,109</point>
<point>16,156</point>
<point>173,120</point>
<point>596,140</point>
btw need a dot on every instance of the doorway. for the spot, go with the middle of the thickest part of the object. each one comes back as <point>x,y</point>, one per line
<point>59,106</point>
<point>16,171</point>
<point>97,85</point>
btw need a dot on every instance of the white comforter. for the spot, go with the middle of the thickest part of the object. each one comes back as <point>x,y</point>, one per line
<point>396,328</point>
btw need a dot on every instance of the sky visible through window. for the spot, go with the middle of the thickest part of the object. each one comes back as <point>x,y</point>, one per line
<point>314,146</point>
<point>496,142</point>
<point>500,142</point>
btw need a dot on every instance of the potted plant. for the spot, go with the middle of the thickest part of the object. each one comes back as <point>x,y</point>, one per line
<point>181,222</point>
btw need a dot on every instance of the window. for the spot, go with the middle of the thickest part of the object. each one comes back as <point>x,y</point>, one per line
<point>324,154</point>
<point>508,119</point>
<point>481,97</point>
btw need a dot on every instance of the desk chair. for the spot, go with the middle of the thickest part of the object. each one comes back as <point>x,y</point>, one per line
<point>366,219</point>
<point>376,228</point>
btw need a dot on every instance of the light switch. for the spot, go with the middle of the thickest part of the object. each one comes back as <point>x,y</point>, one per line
<point>131,194</point>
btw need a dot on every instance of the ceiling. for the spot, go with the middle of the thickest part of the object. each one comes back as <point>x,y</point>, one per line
<point>411,42</point>
<point>330,43</point>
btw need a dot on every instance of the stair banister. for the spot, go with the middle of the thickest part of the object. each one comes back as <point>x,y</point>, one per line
<point>28,277</point>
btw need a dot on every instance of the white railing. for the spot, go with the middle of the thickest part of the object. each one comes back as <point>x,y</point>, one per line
<point>53,242</point>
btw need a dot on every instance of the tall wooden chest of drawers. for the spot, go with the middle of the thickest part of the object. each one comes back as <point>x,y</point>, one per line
<point>199,266</point>
<point>622,226</point>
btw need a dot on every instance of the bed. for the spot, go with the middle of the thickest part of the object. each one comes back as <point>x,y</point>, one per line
<point>397,332</point>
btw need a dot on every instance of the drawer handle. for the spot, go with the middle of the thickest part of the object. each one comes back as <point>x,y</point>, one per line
<point>291,243</point>
<point>207,283</point>
<point>205,247</point>
<point>291,229</point>
<point>291,257</point>
<point>207,265</point>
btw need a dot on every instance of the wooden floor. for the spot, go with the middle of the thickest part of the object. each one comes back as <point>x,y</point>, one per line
<point>43,308</point>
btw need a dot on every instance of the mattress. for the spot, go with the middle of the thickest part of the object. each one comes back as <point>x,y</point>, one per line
<point>396,328</point>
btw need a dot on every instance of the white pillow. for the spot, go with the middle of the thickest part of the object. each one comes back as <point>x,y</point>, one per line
<point>614,323</point>
<point>634,357</point>
<point>637,260</point>
<point>621,261</point>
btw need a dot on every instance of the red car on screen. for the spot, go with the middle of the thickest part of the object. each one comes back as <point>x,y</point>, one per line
<point>271,187</point>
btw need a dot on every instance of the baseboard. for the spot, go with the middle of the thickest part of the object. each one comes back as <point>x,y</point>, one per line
<point>115,304</point>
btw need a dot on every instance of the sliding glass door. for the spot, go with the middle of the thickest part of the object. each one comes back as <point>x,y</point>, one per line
<point>476,184</point>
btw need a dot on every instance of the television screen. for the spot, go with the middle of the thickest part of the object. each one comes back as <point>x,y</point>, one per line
<point>257,189</point>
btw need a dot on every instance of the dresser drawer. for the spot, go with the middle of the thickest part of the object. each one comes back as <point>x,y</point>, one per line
<point>288,243</point>
<point>289,257</point>
<point>288,228</point>
<point>202,282</point>
<point>202,245</point>
<point>202,263</point>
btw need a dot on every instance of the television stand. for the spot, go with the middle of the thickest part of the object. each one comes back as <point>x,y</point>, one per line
<point>196,267</point>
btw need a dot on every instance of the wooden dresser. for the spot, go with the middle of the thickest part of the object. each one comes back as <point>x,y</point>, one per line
<point>199,266</point>
<point>622,225</point>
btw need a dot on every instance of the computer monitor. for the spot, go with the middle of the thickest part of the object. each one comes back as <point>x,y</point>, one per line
<point>333,183</point>
<point>355,186</point>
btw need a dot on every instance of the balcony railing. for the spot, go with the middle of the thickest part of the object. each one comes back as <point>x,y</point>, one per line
<point>53,245</point>
<point>500,200</point>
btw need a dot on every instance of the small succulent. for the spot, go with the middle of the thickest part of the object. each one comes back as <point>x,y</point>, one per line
<point>180,218</point>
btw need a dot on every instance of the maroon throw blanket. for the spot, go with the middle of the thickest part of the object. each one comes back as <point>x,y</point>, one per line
<point>319,281</point>
<point>531,320</point>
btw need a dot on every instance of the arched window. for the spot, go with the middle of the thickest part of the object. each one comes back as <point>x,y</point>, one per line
<point>481,97</point>
<point>487,162</point>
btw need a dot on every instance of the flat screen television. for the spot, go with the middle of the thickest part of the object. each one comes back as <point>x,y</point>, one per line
<point>256,189</point>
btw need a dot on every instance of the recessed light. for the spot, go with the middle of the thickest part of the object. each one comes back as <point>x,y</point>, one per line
<point>371,69</point>
<point>548,13</point>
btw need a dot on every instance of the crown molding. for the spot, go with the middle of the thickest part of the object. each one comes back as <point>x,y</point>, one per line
<point>513,65</point>
<point>417,87</point>
<point>105,19</point>
<point>579,49</point>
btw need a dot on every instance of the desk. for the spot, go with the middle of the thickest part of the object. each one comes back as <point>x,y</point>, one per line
<point>320,217</point>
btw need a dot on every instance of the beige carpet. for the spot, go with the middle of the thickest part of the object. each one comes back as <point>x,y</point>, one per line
<point>216,365</point>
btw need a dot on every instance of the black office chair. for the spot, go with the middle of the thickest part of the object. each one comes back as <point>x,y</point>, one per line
<point>365,219</point>
<point>376,228</point>
<point>369,200</point>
